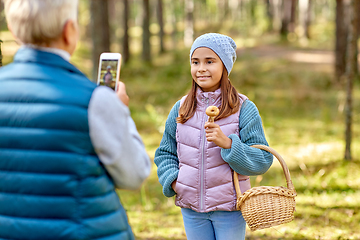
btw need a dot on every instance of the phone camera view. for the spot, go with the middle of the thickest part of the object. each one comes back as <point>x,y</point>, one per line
<point>108,73</point>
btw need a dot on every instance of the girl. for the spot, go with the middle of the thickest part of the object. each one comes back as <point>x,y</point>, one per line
<point>196,158</point>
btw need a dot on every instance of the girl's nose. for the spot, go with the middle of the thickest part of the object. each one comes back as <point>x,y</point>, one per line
<point>202,68</point>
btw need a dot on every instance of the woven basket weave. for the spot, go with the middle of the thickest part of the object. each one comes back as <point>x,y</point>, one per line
<point>264,207</point>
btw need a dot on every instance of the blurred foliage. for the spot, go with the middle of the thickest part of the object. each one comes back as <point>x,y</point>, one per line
<point>302,112</point>
<point>301,108</point>
<point>302,115</point>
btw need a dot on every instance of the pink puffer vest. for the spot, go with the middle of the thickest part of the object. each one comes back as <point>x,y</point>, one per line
<point>205,180</point>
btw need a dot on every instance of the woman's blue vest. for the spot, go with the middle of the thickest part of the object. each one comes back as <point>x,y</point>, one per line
<point>52,184</point>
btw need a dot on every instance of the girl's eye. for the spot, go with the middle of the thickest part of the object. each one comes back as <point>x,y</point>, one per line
<point>195,62</point>
<point>210,62</point>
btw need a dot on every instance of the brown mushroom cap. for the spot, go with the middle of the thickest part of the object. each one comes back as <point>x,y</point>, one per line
<point>212,111</point>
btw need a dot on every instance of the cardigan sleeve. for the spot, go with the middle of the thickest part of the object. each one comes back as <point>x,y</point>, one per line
<point>241,157</point>
<point>116,140</point>
<point>166,158</point>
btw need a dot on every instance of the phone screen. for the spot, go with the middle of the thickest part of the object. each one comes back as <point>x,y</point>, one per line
<point>108,73</point>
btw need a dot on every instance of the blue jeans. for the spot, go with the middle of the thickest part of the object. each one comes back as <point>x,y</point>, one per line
<point>219,225</point>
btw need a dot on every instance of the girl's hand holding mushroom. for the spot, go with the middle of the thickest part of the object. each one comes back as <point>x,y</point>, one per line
<point>215,135</point>
<point>213,131</point>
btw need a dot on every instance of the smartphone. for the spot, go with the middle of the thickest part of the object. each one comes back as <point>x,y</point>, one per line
<point>109,70</point>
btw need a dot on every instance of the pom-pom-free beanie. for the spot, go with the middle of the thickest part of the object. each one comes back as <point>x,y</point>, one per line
<point>222,45</point>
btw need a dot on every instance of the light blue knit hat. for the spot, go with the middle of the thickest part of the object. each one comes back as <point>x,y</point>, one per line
<point>222,45</point>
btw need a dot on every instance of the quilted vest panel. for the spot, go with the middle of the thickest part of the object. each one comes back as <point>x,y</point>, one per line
<point>52,184</point>
<point>205,181</point>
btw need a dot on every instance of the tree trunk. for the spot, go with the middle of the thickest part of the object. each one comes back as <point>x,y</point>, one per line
<point>292,22</point>
<point>304,18</point>
<point>234,6</point>
<point>241,10</point>
<point>173,19</point>
<point>223,10</point>
<point>252,10</point>
<point>226,9</point>
<point>269,14</point>
<point>100,31</point>
<point>1,14</point>
<point>126,49</point>
<point>285,19</point>
<point>1,56</point>
<point>161,25</point>
<point>189,23</point>
<point>358,22</point>
<point>350,74</point>
<point>357,38</point>
<point>288,17</point>
<point>146,51</point>
<point>340,40</point>
<point>308,20</point>
<point>112,11</point>
<point>276,7</point>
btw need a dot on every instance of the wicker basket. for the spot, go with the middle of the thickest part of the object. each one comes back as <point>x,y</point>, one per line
<point>264,207</point>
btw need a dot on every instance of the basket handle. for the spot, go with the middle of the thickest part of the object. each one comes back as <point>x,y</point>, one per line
<point>282,163</point>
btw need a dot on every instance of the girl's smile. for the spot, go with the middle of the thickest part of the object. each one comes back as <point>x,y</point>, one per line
<point>206,69</point>
<point>202,77</point>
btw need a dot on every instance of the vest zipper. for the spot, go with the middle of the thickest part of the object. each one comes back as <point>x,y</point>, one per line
<point>202,169</point>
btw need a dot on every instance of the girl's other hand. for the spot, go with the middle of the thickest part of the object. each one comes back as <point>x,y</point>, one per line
<point>215,135</point>
<point>121,93</point>
<point>173,185</point>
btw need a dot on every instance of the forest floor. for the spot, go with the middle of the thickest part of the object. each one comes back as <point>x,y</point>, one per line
<point>310,56</point>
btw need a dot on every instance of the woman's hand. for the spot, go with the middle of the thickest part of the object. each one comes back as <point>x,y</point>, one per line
<point>121,93</point>
<point>215,135</point>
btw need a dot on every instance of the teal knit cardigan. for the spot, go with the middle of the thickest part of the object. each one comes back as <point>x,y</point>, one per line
<point>241,157</point>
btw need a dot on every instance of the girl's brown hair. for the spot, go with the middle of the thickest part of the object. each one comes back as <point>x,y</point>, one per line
<point>229,105</point>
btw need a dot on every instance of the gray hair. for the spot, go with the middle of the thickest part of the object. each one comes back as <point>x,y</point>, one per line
<point>39,21</point>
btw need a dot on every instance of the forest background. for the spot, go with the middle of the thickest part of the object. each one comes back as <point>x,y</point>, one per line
<point>295,61</point>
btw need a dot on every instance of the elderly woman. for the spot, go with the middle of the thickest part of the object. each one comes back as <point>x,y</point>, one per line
<point>62,154</point>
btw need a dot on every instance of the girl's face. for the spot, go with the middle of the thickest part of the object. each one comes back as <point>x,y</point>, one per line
<point>206,69</point>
